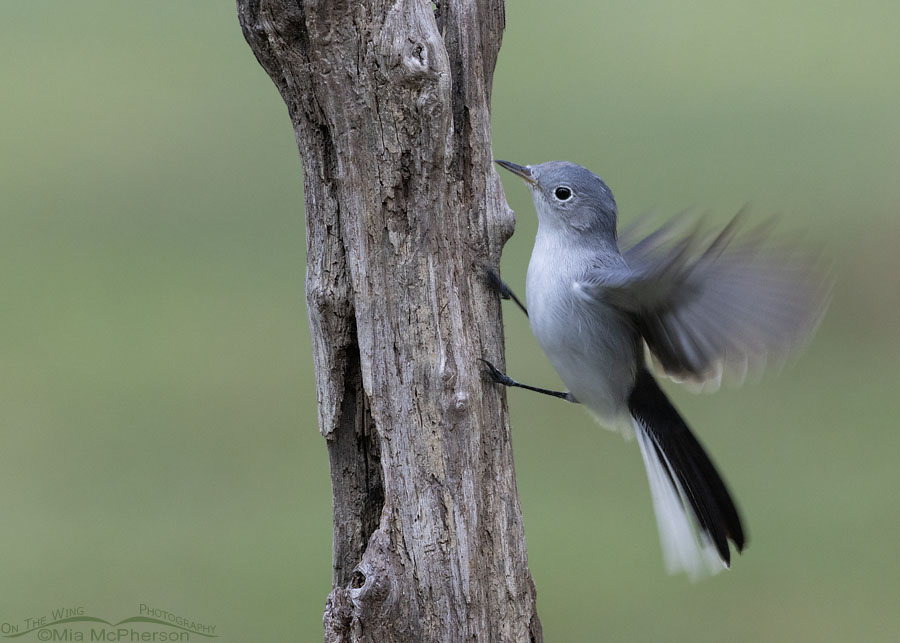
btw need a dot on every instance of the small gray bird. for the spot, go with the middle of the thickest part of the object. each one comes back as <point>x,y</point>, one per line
<point>708,307</point>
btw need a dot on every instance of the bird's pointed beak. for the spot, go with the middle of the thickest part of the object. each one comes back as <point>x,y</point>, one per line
<point>519,170</point>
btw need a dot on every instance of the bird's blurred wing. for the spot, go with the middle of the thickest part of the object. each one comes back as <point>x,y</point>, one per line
<point>717,305</point>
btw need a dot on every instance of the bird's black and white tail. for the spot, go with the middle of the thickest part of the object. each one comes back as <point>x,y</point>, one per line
<point>694,510</point>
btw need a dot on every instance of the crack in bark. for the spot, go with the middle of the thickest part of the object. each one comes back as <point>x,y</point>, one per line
<point>356,480</point>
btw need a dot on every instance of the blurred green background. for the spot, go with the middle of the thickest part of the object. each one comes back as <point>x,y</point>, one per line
<point>157,407</point>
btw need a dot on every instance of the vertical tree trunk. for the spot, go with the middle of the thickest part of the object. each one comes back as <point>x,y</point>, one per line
<point>390,106</point>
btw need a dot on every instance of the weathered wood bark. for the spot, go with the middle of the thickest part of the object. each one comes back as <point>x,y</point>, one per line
<point>390,106</point>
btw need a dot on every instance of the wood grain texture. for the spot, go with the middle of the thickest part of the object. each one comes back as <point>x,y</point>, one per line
<point>390,103</point>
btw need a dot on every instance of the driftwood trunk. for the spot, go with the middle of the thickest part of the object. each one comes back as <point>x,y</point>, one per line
<point>390,103</point>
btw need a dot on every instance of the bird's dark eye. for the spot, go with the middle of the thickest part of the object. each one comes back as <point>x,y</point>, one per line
<point>563,193</point>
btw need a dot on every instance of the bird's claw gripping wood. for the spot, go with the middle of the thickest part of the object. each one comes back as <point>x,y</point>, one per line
<point>493,281</point>
<point>499,377</point>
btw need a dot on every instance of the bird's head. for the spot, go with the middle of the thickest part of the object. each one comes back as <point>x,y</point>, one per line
<point>569,198</point>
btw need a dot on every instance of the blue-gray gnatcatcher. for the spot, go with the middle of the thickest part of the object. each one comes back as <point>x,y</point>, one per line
<point>707,307</point>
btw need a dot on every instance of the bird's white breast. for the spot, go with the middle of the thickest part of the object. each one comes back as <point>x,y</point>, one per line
<point>591,345</point>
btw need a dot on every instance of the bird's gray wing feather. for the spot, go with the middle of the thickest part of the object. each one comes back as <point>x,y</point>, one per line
<point>717,305</point>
